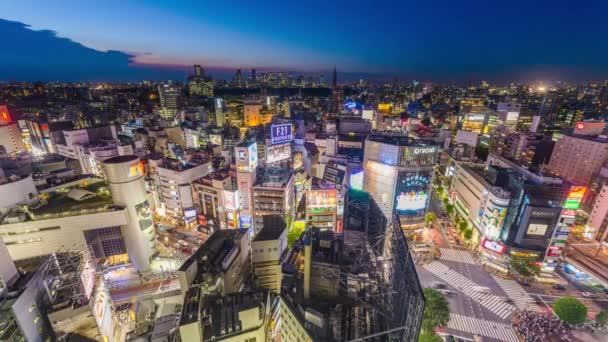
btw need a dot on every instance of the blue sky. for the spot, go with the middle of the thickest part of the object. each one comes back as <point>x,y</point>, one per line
<point>433,39</point>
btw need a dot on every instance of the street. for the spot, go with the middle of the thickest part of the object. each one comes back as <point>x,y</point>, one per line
<point>480,302</point>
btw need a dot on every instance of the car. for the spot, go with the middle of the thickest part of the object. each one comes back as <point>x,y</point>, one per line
<point>559,287</point>
<point>587,294</point>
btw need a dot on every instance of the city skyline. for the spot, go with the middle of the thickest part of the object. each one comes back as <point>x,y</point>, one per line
<point>441,41</point>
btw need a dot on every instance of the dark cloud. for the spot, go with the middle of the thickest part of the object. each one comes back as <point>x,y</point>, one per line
<point>30,55</point>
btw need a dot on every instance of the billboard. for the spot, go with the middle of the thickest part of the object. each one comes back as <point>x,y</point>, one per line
<point>321,198</point>
<point>356,180</point>
<point>245,221</point>
<point>246,157</point>
<point>144,215</point>
<point>467,137</point>
<point>231,200</point>
<point>411,193</point>
<point>538,229</point>
<point>215,139</point>
<point>277,153</point>
<point>281,133</point>
<point>5,117</point>
<point>384,107</point>
<point>367,114</point>
<point>494,246</point>
<point>298,160</point>
<point>334,174</point>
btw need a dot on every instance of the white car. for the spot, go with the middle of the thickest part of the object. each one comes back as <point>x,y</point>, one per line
<point>587,295</point>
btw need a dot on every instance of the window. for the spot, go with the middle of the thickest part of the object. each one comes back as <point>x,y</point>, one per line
<point>253,339</point>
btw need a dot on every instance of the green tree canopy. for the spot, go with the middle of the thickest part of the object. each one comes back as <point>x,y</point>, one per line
<point>436,311</point>
<point>429,336</point>
<point>430,217</point>
<point>601,319</point>
<point>570,310</point>
<point>468,234</point>
<point>524,267</point>
<point>439,190</point>
<point>463,226</point>
<point>449,209</point>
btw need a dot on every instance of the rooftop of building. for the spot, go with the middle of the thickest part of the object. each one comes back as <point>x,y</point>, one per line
<point>398,139</point>
<point>270,232</point>
<point>479,173</point>
<point>273,177</point>
<point>222,313</point>
<point>121,159</point>
<point>211,254</point>
<point>59,204</point>
<point>183,165</point>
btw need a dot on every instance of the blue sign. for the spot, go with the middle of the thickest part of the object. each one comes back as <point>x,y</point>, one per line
<point>245,221</point>
<point>280,133</point>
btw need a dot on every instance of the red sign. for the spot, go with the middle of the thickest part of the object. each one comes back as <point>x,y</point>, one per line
<point>5,117</point>
<point>494,246</point>
<point>202,219</point>
<point>569,213</point>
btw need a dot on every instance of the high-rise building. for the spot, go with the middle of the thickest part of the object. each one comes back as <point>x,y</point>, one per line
<point>398,171</point>
<point>578,156</point>
<point>252,113</point>
<point>170,100</point>
<point>10,133</point>
<point>237,81</point>
<point>273,194</point>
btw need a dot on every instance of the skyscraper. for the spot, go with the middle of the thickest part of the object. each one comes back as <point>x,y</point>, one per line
<point>169,95</point>
<point>198,71</point>
<point>237,82</point>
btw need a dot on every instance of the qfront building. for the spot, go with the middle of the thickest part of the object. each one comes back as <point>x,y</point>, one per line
<point>397,173</point>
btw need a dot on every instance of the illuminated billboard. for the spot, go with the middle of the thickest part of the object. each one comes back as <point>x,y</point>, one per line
<point>215,139</point>
<point>356,181</point>
<point>246,157</point>
<point>276,153</point>
<point>411,193</point>
<point>4,115</point>
<point>577,192</point>
<point>538,229</point>
<point>321,198</point>
<point>384,107</point>
<point>494,246</point>
<point>298,160</point>
<point>231,200</point>
<point>281,133</point>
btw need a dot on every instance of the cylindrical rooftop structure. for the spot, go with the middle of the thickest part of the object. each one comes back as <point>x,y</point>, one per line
<point>126,182</point>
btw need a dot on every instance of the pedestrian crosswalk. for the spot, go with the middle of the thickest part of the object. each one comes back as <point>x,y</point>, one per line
<point>520,297</point>
<point>468,288</point>
<point>456,255</point>
<point>472,325</point>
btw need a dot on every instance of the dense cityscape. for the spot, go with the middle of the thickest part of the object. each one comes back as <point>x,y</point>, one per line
<point>280,171</point>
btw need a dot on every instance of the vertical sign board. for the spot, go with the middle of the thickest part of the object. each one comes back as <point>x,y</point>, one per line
<point>560,234</point>
<point>281,133</point>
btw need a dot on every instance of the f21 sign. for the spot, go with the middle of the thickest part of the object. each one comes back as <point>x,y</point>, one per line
<point>280,133</point>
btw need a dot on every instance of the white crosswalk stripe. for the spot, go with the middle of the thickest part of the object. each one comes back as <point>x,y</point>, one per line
<point>456,256</point>
<point>520,297</point>
<point>472,325</point>
<point>467,287</point>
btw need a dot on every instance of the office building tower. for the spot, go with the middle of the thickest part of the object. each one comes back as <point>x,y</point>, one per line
<point>267,252</point>
<point>198,71</point>
<point>170,100</point>
<point>273,194</point>
<point>10,133</point>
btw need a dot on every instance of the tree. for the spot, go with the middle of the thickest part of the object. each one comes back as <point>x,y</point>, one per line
<point>449,209</point>
<point>439,190</point>
<point>570,310</point>
<point>524,267</point>
<point>436,311</point>
<point>429,336</point>
<point>463,226</point>
<point>601,319</point>
<point>468,234</point>
<point>430,217</point>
